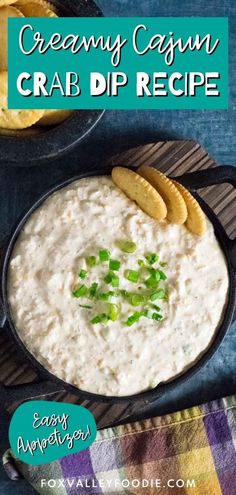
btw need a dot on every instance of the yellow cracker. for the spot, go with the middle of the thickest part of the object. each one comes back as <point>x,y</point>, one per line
<point>196,221</point>
<point>5,13</point>
<point>3,3</point>
<point>139,190</point>
<point>35,9</point>
<point>46,4</point>
<point>54,117</point>
<point>14,119</point>
<point>176,207</point>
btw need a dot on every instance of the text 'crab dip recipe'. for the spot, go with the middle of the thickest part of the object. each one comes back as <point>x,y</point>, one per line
<point>108,298</point>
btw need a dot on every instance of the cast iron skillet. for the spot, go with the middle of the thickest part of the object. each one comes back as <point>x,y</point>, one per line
<point>48,383</point>
<point>29,149</point>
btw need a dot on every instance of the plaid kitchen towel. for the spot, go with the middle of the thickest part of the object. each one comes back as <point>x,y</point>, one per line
<point>192,452</point>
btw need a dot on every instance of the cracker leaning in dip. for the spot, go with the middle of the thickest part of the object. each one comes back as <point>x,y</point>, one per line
<point>108,298</point>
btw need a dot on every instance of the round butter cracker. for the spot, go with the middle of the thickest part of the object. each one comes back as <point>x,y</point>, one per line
<point>14,119</point>
<point>140,191</point>
<point>35,9</point>
<point>176,207</point>
<point>5,13</point>
<point>44,3</point>
<point>3,3</point>
<point>54,117</point>
<point>196,220</point>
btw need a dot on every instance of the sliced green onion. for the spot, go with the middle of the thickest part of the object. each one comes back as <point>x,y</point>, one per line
<point>141,263</point>
<point>115,281</point>
<point>155,274</point>
<point>151,282</point>
<point>83,274</point>
<point>152,258</point>
<point>102,318</point>
<point>137,299</point>
<point>132,275</point>
<point>114,265</point>
<point>124,293</point>
<point>128,246</point>
<point>112,278</point>
<point>165,298</point>
<point>80,291</point>
<point>154,306</point>
<point>104,255</point>
<point>91,260</point>
<point>106,296</point>
<point>85,306</point>
<point>113,311</point>
<point>147,313</point>
<point>93,289</point>
<point>157,317</point>
<point>163,276</point>
<point>133,319</point>
<point>163,264</point>
<point>159,294</point>
<point>108,278</point>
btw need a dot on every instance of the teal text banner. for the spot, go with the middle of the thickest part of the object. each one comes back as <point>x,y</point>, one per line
<point>41,432</point>
<point>118,63</point>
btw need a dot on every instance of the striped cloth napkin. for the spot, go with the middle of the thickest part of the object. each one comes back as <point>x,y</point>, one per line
<point>192,452</point>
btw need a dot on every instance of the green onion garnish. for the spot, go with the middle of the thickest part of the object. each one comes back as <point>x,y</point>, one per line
<point>115,281</point>
<point>151,282</point>
<point>128,246</point>
<point>80,291</point>
<point>159,294</point>
<point>105,296</point>
<point>133,319</point>
<point>137,299</point>
<point>104,255</point>
<point>124,293</point>
<point>163,264</point>
<point>91,260</point>
<point>102,318</point>
<point>163,276</point>
<point>154,306</point>
<point>151,258</point>
<point>108,278</point>
<point>132,275</point>
<point>85,306</point>
<point>113,312</point>
<point>155,274</point>
<point>111,278</point>
<point>93,289</point>
<point>114,265</point>
<point>157,317</point>
<point>83,274</point>
<point>147,313</point>
<point>141,263</point>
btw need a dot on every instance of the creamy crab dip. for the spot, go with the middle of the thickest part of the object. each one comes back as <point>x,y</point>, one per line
<point>62,331</point>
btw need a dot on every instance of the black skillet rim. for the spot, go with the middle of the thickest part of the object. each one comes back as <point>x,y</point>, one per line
<point>149,395</point>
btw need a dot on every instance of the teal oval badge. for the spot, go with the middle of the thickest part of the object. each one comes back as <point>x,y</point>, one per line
<point>41,432</point>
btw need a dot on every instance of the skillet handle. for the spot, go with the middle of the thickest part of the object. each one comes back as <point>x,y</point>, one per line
<point>212,177</point>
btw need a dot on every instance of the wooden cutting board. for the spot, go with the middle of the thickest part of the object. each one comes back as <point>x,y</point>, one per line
<point>174,158</point>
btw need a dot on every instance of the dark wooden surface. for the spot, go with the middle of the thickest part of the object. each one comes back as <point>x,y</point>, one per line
<point>174,158</point>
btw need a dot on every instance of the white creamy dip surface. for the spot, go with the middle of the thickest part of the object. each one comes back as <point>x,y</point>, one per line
<point>112,359</point>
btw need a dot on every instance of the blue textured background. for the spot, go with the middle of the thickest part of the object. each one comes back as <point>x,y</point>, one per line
<point>215,130</point>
